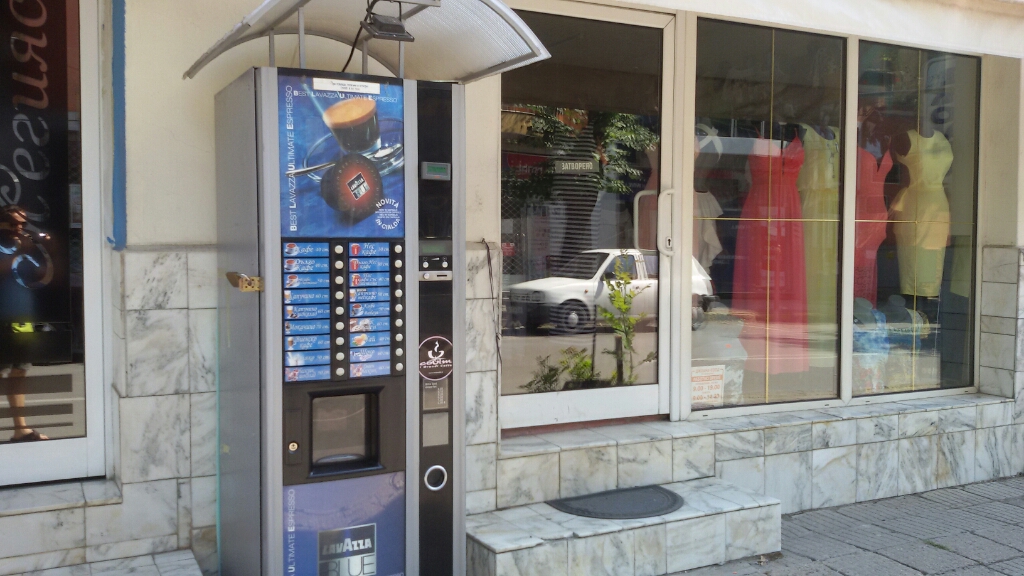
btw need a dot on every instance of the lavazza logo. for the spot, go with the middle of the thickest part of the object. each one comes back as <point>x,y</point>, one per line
<point>348,551</point>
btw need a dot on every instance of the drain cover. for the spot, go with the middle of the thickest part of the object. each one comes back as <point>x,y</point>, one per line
<point>622,504</point>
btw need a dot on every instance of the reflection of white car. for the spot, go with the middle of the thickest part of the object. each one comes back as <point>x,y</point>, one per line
<point>569,298</point>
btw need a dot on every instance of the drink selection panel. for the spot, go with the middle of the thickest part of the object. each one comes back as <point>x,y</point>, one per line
<point>344,309</point>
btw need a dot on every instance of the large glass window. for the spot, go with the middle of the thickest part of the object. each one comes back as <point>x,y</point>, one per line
<point>767,203</point>
<point>580,139</point>
<point>42,391</point>
<point>916,207</point>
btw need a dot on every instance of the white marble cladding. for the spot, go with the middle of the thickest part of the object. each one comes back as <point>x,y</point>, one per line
<point>1002,311</point>
<point>165,424</point>
<point>806,459</point>
<point>718,522</point>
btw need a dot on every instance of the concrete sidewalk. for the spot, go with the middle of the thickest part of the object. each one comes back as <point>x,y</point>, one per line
<point>972,530</point>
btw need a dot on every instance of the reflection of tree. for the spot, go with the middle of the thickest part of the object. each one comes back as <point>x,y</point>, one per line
<point>612,140</point>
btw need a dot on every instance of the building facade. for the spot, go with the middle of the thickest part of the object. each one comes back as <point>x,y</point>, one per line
<point>774,244</point>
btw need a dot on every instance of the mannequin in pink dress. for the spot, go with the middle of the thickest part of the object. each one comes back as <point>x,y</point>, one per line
<point>872,219</point>
<point>769,280</point>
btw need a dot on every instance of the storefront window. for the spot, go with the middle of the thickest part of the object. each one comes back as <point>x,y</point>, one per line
<point>42,391</point>
<point>916,204</point>
<point>580,139</point>
<point>767,203</point>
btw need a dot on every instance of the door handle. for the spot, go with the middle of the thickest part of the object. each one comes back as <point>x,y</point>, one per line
<point>245,283</point>
<point>665,244</point>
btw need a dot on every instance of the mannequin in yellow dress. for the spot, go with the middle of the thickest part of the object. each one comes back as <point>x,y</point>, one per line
<point>818,184</point>
<point>920,212</point>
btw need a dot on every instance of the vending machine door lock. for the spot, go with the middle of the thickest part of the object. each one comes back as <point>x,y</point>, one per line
<point>245,283</point>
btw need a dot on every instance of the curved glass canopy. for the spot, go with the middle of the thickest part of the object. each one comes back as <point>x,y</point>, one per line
<point>456,41</point>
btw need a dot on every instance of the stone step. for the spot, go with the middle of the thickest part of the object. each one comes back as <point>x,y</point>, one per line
<point>717,523</point>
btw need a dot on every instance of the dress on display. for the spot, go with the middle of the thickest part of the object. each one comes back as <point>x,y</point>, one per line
<point>872,219</point>
<point>706,244</point>
<point>769,276</point>
<point>920,214</point>
<point>819,200</point>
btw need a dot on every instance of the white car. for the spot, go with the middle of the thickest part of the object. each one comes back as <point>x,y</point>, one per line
<point>570,298</point>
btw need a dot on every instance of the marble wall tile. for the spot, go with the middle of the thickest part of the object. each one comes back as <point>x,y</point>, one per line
<point>753,531</point>
<point>203,433</point>
<point>101,492</point>
<point>645,463</point>
<point>649,551</point>
<point>481,408</point>
<point>154,438</point>
<point>958,419</point>
<point>992,415</point>
<point>503,536</point>
<point>998,299</point>
<point>481,318</point>
<point>877,470</point>
<point>834,434</point>
<point>996,382</point>
<point>633,433</point>
<point>527,480</point>
<point>42,532</point>
<point>696,542</point>
<point>955,459</point>
<point>1000,264</point>
<point>1017,452</point>
<point>693,457</point>
<point>588,471</point>
<point>993,453</point>
<point>124,565</point>
<point>520,446</point>
<point>30,563</point>
<point>480,284</point>
<point>574,439</point>
<point>479,560</point>
<point>533,523</point>
<point>184,512</point>
<point>155,280</point>
<point>157,352</point>
<point>787,439</point>
<point>877,429</point>
<point>746,473</point>
<point>605,555</point>
<point>833,476</point>
<point>923,423</point>
<point>150,509</point>
<point>202,279</point>
<point>118,365</point>
<point>131,549</point>
<point>997,325</point>
<point>918,464</point>
<point>204,546</point>
<point>1018,395</point>
<point>202,350</point>
<point>735,445</point>
<point>481,501</point>
<point>204,501</point>
<point>788,478</point>
<point>548,558</point>
<point>480,467</point>
<point>43,498</point>
<point>998,351</point>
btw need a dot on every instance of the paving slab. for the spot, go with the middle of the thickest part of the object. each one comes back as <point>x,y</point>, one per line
<point>1012,536</point>
<point>978,548</point>
<point>955,497</point>
<point>817,547</point>
<point>973,571</point>
<point>824,521</point>
<point>997,490</point>
<point>1013,567</point>
<point>928,558</point>
<point>815,569</point>
<point>869,564</point>
<point>874,538</point>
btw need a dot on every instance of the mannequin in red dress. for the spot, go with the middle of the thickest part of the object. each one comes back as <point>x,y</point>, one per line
<point>769,279</point>
<point>872,219</point>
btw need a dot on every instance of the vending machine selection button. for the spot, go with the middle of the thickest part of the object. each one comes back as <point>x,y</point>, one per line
<point>339,295</point>
<point>399,337</point>
<point>399,308</point>
<point>339,341</point>
<point>399,366</point>
<point>340,310</point>
<point>340,356</point>
<point>339,280</point>
<point>339,249</point>
<point>399,352</point>
<point>399,278</point>
<point>399,323</point>
<point>398,249</point>
<point>340,371</point>
<point>399,293</point>
<point>340,326</point>
<point>340,265</point>
<point>398,263</point>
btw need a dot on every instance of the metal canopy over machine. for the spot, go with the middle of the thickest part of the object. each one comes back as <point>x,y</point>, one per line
<point>455,40</point>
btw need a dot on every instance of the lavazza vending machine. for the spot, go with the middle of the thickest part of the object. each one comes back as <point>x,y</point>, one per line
<point>341,387</point>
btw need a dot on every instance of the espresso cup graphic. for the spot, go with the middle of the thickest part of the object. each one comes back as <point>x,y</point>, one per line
<point>291,249</point>
<point>354,124</point>
<point>292,281</point>
<point>291,265</point>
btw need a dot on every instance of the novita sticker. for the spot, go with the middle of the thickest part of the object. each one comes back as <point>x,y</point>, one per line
<point>348,552</point>
<point>345,86</point>
<point>436,361</point>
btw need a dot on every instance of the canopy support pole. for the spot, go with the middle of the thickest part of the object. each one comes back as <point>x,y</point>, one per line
<point>273,50</point>
<point>366,55</point>
<point>302,38</point>
<point>401,46</point>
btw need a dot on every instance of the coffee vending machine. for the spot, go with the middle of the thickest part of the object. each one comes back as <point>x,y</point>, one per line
<point>341,270</point>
